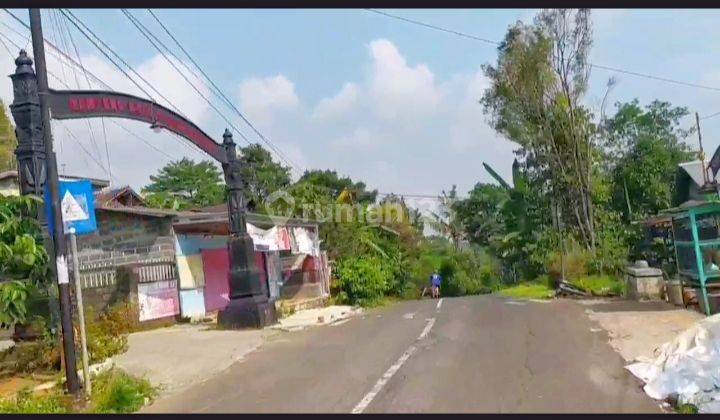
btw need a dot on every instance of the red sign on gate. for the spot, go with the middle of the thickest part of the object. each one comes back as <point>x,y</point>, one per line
<point>67,104</point>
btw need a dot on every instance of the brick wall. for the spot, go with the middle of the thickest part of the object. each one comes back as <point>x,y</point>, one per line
<point>122,239</point>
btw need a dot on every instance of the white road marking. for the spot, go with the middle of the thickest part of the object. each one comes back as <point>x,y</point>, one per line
<point>362,405</point>
<point>439,304</point>
<point>392,370</point>
<point>426,330</point>
<point>409,315</point>
<point>342,321</point>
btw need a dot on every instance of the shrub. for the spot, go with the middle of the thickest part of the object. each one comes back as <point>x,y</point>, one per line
<point>475,272</point>
<point>362,280</point>
<point>687,409</point>
<point>107,332</point>
<point>547,281</point>
<point>576,260</point>
<point>116,392</point>
<point>42,354</point>
<point>528,291</point>
<point>13,299</point>
<point>26,402</point>
<point>600,285</point>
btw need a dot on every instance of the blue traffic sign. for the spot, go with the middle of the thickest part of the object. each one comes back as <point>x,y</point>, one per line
<point>77,204</point>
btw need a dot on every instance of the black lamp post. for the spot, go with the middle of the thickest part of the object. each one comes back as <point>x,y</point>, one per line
<point>36,167</point>
<point>249,305</point>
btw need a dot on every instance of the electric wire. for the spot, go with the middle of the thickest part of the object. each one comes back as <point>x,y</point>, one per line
<point>219,92</point>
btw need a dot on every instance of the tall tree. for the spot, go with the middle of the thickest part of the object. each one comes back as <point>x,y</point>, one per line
<point>185,184</point>
<point>446,221</point>
<point>262,176</point>
<point>535,98</point>
<point>644,147</point>
<point>336,185</point>
<point>481,213</point>
<point>8,142</point>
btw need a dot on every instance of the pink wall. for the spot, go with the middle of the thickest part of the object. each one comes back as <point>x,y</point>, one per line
<point>216,269</point>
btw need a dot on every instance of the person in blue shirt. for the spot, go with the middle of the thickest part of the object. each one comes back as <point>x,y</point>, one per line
<point>435,281</point>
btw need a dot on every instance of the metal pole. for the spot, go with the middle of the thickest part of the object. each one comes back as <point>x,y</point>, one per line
<point>81,312</point>
<point>702,151</point>
<point>63,278</point>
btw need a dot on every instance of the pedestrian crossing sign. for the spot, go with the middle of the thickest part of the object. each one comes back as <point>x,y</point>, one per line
<point>77,206</point>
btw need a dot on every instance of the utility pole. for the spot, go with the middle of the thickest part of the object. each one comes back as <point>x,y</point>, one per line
<point>702,152</point>
<point>63,277</point>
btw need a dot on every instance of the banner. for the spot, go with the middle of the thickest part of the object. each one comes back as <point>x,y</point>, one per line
<point>158,299</point>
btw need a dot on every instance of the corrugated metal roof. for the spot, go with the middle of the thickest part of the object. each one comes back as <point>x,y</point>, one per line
<point>139,210</point>
<point>94,181</point>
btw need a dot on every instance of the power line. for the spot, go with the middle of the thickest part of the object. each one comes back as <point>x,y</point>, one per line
<point>715,114</point>
<point>26,37</point>
<point>60,35</point>
<point>220,92</point>
<point>61,53</point>
<point>75,20</point>
<point>172,105</point>
<point>87,79</point>
<point>143,140</point>
<point>62,82</point>
<point>75,139</point>
<point>613,69</point>
<point>140,27</point>
<point>437,28</point>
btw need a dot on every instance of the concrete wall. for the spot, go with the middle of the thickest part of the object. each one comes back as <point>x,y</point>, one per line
<point>122,239</point>
<point>126,238</point>
<point>9,186</point>
<point>188,256</point>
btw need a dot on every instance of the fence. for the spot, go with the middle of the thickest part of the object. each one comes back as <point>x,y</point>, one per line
<point>151,283</point>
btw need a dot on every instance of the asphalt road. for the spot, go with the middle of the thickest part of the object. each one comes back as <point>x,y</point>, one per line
<point>470,354</point>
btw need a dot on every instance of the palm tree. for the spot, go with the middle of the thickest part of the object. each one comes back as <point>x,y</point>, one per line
<point>446,221</point>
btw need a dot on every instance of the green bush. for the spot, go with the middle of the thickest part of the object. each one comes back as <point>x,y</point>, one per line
<point>576,261</point>
<point>362,280</point>
<point>42,354</point>
<point>528,291</point>
<point>116,392</point>
<point>469,272</point>
<point>26,402</point>
<point>107,332</point>
<point>687,409</point>
<point>547,281</point>
<point>600,285</point>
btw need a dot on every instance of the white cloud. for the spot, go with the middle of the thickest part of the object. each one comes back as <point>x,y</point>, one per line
<point>469,130</point>
<point>80,144</point>
<point>382,174</point>
<point>338,104</point>
<point>361,139</point>
<point>260,98</point>
<point>418,129</point>
<point>397,89</point>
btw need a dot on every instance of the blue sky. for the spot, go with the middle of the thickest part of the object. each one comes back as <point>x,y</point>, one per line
<point>388,102</point>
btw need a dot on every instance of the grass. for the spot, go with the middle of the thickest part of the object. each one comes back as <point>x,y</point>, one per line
<point>687,409</point>
<point>25,402</point>
<point>600,285</point>
<point>114,392</point>
<point>528,291</point>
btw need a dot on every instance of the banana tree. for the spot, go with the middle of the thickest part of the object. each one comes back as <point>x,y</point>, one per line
<point>23,260</point>
<point>520,219</point>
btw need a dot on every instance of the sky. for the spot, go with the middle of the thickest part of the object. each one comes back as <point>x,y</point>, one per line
<point>381,100</point>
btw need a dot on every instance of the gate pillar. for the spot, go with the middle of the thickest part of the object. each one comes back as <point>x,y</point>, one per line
<point>250,305</point>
